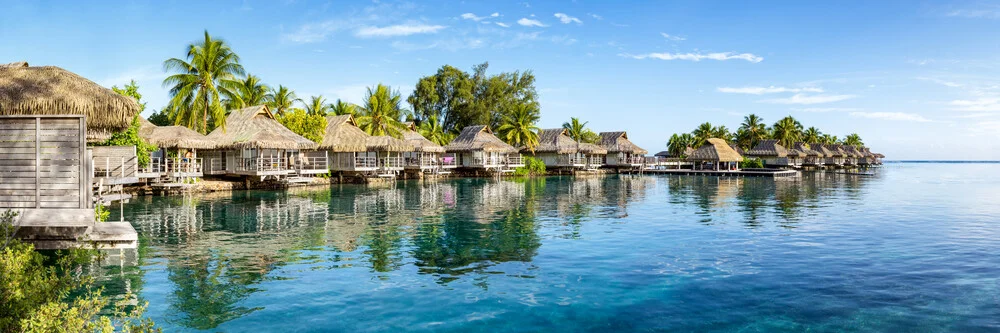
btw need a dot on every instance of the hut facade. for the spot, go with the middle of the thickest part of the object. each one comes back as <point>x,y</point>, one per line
<point>593,154</point>
<point>558,150</point>
<point>716,155</point>
<point>773,154</point>
<point>254,143</point>
<point>388,154</point>
<point>177,157</point>
<point>851,155</point>
<point>813,157</point>
<point>622,153</point>
<point>347,145</point>
<point>426,156</point>
<point>834,155</point>
<point>477,148</point>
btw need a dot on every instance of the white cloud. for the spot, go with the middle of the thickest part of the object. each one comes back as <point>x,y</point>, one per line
<point>596,17</point>
<point>895,116</point>
<point>767,90</point>
<point>988,12</point>
<point>471,16</point>
<point>530,22</point>
<point>808,99</point>
<point>314,32</point>
<point>453,44</point>
<point>505,25</point>
<point>697,56</point>
<point>982,104</point>
<point>826,109</point>
<point>398,30</point>
<point>941,82</point>
<point>672,37</point>
<point>566,19</point>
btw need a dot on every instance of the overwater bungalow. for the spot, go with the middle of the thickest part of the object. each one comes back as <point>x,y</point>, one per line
<point>477,148</point>
<point>834,155</point>
<point>737,148</point>
<point>177,158</point>
<point>426,156</point>
<point>851,155</point>
<point>593,155</point>
<point>558,150</point>
<point>348,146</point>
<point>253,143</point>
<point>388,154</point>
<point>716,155</point>
<point>813,158</point>
<point>622,153</point>
<point>52,91</point>
<point>773,154</point>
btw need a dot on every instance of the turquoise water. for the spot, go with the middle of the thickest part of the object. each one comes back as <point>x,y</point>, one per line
<point>914,248</point>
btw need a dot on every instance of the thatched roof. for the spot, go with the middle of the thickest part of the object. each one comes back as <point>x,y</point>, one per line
<point>794,152</point>
<point>343,135</point>
<point>807,149</point>
<point>556,141</point>
<point>50,90</point>
<point>592,149</point>
<point>173,137</point>
<point>769,148</point>
<point>737,148</point>
<point>478,138</point>
<point>666,153</point>
<point>835,150</point>
<point>715,150</point>
<point>384,143</point>
<point>821,148</point>
<point>256,127</point>
<point>419,142</point>
<point>617,142</point>
<point>852,151</point>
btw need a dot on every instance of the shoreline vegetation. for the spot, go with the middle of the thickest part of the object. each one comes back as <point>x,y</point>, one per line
<point>752,131</point>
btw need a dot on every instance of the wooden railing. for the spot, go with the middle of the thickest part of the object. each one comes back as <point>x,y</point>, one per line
<point>116,167</point>
<point>312,163</point>
<point>272,163</point>
<point>390,162</point>
<point>365,162</point>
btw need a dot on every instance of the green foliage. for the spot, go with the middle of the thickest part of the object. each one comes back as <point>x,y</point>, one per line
<point>310,126</point>
<point>131,90</point>
<point>43,294</point>
<point>341,108</point>
<point>281,99</point>
<point>247,92</point>
<point>461,99</point>
<point>589,136</point>
<point>751,163</point>
<point>787,131</point>
<point>130,137</point>
<point>195,88</point>
<point>317,106</point>
<point>853,139</point>
<point>532,167</point>
<point>679,143</point>
<point>432,129</point>
<point>518,128</point>
<point>751,132</point>
<point>382,112</point>
<point>161,118</point>
<point>101,212</point>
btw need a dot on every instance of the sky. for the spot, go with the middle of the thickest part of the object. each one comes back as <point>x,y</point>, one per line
<point>916,80</point>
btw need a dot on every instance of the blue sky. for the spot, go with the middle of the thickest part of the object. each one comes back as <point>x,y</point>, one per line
<point>917,80</point>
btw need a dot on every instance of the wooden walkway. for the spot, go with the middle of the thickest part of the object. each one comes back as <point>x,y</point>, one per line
<point>728,173</point>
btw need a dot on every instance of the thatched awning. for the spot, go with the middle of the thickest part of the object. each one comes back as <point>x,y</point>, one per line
<point>592,149</point>
<point>173,137</point>
<point>821,148</point>
<point>835,150</point>
<point>769,148</point>
<point>50,90</point>
<point>555,141</point>
<point>343,135</point>
<point>715,150</point>
<point>256,127</point>
<point>852,151</point>
<point>807,149</point>
<point>737,148</point>
<point>384,143</point>
<point>478,138</point>
<point>419,142</point>
<point>617,142</point>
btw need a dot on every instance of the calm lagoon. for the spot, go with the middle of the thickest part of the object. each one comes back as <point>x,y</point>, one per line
<point>914,248</point>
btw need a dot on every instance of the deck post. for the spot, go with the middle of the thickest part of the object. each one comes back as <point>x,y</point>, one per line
<point>38,162</point>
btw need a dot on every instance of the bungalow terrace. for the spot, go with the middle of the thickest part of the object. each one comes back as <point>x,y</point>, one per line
<point>177,158</point>
<point>477,148</point>
<point>254,144</point>
<point>813,157</point>
<point>559,151</point>
<point>717,155</point>
<point>622,153</point>
<point>348,146</point>
<point>835,157</point>
<point>426,156</point>
<point>593,155</point>
<point>851,155</point>
<point>773,154</point>
<point>388,154</point>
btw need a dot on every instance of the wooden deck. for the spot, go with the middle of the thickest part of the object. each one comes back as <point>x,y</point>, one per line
<point>728,173</point>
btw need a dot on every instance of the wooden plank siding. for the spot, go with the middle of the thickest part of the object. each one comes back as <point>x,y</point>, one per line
<point>42,162</point>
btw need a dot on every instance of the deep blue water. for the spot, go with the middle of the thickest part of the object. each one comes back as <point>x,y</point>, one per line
<point>914,248</point>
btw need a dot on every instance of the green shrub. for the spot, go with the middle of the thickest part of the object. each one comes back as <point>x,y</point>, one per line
<point>130,137</point>
<point>532,167</point>
<point>751,163</point>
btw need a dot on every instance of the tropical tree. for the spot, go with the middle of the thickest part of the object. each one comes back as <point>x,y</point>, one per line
<point>281,99</point>
<point>787,131</point>
<point>754,131</point>
<point>575,128</point>
<point>702,133</point>
<point>830,139</point>
<point>310,126</point>
<point>589,136</point>
<point>679,143</point>
<point>518,127</point>
<point>194,89</point>
<point>812,135</point>
<point>720,132</point>
<point>742,138</point>
<point>341,108</point>
<point>317,106</point>
<point>853,139</point>
<point>244,93</point>
<point>432,129</point>
<point>382,112</point>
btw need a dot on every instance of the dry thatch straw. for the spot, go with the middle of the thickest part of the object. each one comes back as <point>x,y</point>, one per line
<point>715,150</point>
<point>384,143</point>
<point>835,150</point>
<point>173,137</point>
<point>617,142</point>
<point>770,148</point>
<point>852,151</point>
<point>50,90</point>
<point>737,148</point>
<point>256,127</point>
<point>419,142</point>
<point>807,149</point>
<point>343,135</point>
<point>556,141</point>
<point>592,149</point>
<point>822,149</point>
<point>478,138</point>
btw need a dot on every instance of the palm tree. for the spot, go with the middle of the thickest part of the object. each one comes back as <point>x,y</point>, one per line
<point>317,106</point>
<point>281,99</point>
<point>575,128</point>
<point>787,131</point>
<point>518,127</point>
<point>812,135</point>
<point>742,138</point>
<point>702,134</point>
<point>720,132</point>
<point>243,93</point>
<point>433,130</point>
<point>755,131</point>
<point>194,93</point>
<point>341,108</point>
<point>853,139</point>
<point>678,144</point>
<point>381,112</point>
<point>589,136</point>
<point>829,139</point>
